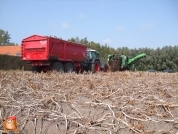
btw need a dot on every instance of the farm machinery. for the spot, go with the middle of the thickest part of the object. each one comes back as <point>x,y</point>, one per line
<point>47,54</point>
<point>122,62</point>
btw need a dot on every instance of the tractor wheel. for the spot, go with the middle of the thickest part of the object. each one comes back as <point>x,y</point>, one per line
<point>68,67</point>
<point>96,66</point>
<point>58,66</point>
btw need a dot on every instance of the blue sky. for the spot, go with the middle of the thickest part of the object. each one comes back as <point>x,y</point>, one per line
<point>118,23</point>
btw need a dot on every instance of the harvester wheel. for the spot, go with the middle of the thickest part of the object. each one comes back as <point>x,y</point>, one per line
<point>68,67</point>
<point>58,66</point>
<point>96,66</point>
<point>106,68</point>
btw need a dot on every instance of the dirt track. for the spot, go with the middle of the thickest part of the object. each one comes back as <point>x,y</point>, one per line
<point>103,103</point>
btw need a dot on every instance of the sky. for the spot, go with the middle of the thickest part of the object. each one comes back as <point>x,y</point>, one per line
<point>117,23</point>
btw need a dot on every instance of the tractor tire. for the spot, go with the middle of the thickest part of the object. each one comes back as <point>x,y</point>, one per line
<point>96,67</point>
<point>68,67</point>
<point>57,66</point>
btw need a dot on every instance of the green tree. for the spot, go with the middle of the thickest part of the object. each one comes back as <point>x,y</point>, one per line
<point>84,41</point>
<point>72,39</point>
<point>4,38</point>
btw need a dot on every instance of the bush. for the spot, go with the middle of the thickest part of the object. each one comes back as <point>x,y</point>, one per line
<point>8,62</point>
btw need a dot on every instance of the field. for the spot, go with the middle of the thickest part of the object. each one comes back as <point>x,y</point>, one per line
<point>101,103</point>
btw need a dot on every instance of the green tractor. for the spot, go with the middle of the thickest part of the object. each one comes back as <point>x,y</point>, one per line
<point>122,62</point>
<point>93,62</point>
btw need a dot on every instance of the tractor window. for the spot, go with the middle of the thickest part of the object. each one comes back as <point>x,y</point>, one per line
<point>92,55</point>
<point>97,55</point>
<point>89,56</point>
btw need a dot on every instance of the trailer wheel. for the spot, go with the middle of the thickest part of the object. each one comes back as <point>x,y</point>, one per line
<point>96,66</point>
<point>68,67</point>
<point>58,66</point>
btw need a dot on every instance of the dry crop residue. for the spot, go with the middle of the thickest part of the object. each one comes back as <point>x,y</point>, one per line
<point>103,103</point>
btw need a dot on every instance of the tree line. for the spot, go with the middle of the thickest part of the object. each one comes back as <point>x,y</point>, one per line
<point>157,59</point>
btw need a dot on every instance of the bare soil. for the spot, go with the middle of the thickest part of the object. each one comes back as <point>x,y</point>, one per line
<point>101,103</point>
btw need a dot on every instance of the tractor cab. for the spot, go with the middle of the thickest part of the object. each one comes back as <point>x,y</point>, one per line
<point>93,63</point>
<point>92,54</point>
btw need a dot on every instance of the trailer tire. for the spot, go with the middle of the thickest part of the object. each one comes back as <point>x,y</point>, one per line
<point>96,66</point>
<point>68,67</point>
<point>58,66</point>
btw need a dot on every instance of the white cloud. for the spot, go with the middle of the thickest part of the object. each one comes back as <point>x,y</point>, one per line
<point>147,26</point>
<point>107,41</point>
<point>65,25</point>
<point>119,28</point>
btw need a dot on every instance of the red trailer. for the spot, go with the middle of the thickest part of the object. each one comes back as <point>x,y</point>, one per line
<point>48,53</point>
